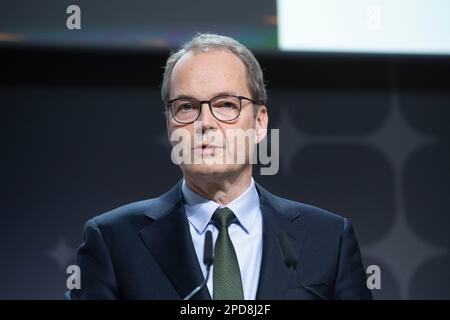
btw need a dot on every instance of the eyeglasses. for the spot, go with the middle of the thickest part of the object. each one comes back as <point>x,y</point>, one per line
<point>224,108</point>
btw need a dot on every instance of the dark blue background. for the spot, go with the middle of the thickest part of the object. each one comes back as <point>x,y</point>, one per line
<point>82,132</point>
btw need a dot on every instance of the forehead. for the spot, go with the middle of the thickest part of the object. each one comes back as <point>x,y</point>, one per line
<point>204,74</point>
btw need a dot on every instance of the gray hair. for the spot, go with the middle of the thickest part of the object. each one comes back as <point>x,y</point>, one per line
<point>203,42</point>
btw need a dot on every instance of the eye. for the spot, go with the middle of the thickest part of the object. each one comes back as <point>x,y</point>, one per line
<point>184,107</point>
<point>227,105</point>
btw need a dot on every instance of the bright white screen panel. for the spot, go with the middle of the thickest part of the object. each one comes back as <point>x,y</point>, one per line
<point>378,26</point>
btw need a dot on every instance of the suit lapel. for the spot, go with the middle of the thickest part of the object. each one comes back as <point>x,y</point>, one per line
<point>169,240</point>
<point>275,278</point>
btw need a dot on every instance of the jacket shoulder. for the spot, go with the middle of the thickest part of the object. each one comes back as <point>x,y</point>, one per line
<point>306,212</point>
<point>138,211</point>
<point>124,212</point>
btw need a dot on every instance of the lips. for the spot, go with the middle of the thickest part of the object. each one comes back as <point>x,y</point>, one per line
<point>207,150</point>
<point>207,146</point>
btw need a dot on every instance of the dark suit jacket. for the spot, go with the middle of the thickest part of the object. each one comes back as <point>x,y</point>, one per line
<point>144,250</point>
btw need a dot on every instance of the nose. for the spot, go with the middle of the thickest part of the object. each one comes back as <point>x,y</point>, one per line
<point>208,121</point>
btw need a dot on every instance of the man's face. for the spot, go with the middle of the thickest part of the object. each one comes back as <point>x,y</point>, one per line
<point>203,76</point>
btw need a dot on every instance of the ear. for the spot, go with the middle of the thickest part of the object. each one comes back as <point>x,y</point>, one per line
<point>262,121</point>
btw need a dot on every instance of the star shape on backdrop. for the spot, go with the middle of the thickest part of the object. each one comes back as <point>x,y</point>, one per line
<point>162,140</point>
<point>403,252</point>
<point>62,253</point>
<point>401,248</point>
<point>397,139</point>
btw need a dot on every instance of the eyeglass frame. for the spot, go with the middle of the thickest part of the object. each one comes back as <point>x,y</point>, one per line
<point>208,102</point>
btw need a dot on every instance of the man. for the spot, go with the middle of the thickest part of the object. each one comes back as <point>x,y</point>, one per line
<point>265,247</point>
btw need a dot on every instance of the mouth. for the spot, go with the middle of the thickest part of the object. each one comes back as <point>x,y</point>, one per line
<point>207,149</point>
<point>207,146</point>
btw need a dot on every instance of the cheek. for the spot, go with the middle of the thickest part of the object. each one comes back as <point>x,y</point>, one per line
<point>176,131</point>
<point>245,122</point>
<point>169,131</point>
<point>248,120</point>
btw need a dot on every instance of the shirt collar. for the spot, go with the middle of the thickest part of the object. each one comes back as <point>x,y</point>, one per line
<point>200,210</point>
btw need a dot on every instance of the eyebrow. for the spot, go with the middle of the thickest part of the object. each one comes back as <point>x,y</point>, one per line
<point>222,93</point>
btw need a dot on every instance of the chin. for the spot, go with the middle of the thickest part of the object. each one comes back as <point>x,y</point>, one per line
<point>210,170</point>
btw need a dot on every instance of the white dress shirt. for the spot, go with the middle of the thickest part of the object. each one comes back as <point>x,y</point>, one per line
<point>245,233</point>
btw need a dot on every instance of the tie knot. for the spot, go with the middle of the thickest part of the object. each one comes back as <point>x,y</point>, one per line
<point>223,217</point>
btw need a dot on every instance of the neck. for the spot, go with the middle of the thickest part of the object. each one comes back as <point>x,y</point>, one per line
<point>222,190</point>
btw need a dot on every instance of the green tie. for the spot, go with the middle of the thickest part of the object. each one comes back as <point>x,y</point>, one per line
<point>227,283</point>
